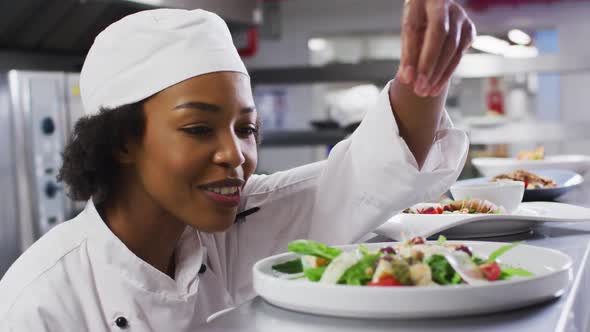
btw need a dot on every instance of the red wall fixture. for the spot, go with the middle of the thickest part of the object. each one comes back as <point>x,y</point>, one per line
<point>249,46</point>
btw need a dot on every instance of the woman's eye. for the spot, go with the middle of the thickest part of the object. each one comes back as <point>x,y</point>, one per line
<point>247,131</point>
<point>199,130</point>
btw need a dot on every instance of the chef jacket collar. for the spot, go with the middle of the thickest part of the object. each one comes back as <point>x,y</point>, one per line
<point>189,255</point>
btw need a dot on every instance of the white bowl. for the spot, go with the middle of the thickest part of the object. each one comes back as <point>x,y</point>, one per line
<point>507,194</point>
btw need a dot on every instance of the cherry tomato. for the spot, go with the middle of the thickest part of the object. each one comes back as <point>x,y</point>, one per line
<point>491,271</point>
<point>432,210</point>
<point>386,281</point>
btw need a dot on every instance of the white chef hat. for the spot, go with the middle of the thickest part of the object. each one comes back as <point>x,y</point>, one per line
<point>149,51</point>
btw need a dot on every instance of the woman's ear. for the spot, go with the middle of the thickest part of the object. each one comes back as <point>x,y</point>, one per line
<point>125,154</point>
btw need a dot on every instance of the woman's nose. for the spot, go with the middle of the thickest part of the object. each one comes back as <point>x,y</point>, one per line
<point>229,152</point>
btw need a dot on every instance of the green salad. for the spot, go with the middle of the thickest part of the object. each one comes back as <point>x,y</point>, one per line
<point>410,263</point>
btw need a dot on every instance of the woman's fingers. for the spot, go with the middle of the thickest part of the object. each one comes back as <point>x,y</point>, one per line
<point>468,33</point>
<point>413,25</point>
<point>435,33</point>
<point>450,47</point>
<point>437,29</point>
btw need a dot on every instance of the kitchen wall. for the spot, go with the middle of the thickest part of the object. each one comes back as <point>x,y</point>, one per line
<point>570,20</point>
<point>300,21</point>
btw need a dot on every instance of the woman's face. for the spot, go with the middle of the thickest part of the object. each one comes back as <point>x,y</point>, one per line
<point>199,148</point>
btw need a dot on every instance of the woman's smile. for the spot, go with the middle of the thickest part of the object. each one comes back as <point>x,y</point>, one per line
<point>224,192</point>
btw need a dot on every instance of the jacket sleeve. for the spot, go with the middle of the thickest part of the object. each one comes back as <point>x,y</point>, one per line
<point>366,179</point>
<point>31,318</point>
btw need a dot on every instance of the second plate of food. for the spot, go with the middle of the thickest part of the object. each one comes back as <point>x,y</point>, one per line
<point>477,218</point>
<point>540,185</point>
<point>494,166</point>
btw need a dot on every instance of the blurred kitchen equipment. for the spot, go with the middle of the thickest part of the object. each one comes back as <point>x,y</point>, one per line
<point>485,121</point>
<point>66,29</point>
<point>324,124</point>
<point>495,97</point>
<point>271,105</point>
<point>37,112</point>
<point>348,107</point>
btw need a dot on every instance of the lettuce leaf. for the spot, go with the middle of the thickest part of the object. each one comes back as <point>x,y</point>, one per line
<point>364,250</point>
<point>290,267</point>
<point>508,272</point>
<point>442,272</point>
<point>500,251</point>
<point>313,248</point>
<point>314,274</point>
<point>357,274</point>
<point>477,260</point>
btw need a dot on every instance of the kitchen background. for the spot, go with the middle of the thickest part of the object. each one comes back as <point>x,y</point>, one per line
<point>316,67</point>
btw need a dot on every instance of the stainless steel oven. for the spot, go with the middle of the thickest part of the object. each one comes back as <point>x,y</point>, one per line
<point>37,112</point>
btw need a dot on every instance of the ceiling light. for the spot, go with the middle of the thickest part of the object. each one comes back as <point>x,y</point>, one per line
<point>493,45</point>
<point>519,37</point>
<point>317,44</point>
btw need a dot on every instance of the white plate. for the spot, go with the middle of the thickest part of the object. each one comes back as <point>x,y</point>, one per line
<point>494,166</point>
<point>552,271</point>
<point>460,226</point>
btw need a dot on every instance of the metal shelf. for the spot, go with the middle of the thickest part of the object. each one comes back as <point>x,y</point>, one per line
<point>40,61</point>
<point>374,71</point>
<point>380,72</point>
<point>486,65</point>
<point>531,131</point>
<point>302,137</point>
<point>510,133</point>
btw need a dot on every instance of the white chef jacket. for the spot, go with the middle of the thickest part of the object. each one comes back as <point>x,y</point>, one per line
<point>81,277</point>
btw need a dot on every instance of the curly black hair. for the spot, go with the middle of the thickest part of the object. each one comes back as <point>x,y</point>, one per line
<point>90,168</point>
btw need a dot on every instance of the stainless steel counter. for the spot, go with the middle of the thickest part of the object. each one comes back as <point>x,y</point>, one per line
<point>568,313</point>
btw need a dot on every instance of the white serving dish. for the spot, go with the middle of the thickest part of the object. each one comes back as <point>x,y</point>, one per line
<point>552,269</point>
<point>461,226</point>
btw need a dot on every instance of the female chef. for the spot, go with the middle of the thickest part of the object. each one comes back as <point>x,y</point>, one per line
<point>165,158</point>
